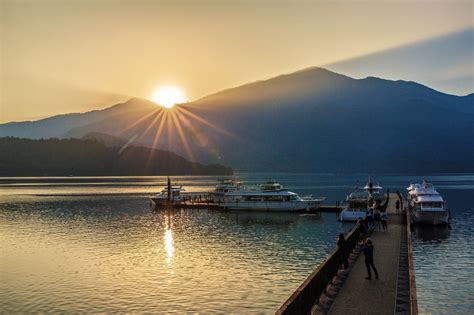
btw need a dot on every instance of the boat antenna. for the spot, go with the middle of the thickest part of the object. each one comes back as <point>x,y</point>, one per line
<point>169,189</point>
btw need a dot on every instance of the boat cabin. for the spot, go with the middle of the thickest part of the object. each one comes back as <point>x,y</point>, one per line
<point>175,191</point>
<point>271,186</point>
<point>430,203</point>
<point>226,186</point>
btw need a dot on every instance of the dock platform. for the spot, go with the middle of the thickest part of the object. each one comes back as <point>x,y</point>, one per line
<point>350,293</point>
<point>216,206</point>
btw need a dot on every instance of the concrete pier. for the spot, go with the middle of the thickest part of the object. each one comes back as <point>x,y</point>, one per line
<point>348,292</point>
<point>361,296</point>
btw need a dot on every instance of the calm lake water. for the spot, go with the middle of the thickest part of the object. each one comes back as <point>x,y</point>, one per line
<point>92,244</point>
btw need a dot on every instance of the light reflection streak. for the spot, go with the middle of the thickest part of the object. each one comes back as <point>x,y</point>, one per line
<point>158,116</point>
<point>169,244</point>
<point>139,121</point>
<point>199,136</point>
<point>205,122</point>
<point>195,132</point>
<point>181,135</point>
<point>180,124</point>
<point>168,239</point>
<point>157,137</point>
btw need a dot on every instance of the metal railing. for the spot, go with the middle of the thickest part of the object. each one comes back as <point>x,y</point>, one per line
<point>308,293</point>
<point>411,269</point>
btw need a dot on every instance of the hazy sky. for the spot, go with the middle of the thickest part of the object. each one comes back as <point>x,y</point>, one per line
<point>69,56</point>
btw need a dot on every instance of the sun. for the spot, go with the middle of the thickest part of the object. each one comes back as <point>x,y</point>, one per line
<point>168,96</point>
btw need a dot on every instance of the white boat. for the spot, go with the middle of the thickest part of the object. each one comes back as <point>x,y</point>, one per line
<point>269,196</point>
<point>169,195</point>
<point>427,205</point>
<point>223,187</point>
<point>175,194</point>
<point>358,201</point>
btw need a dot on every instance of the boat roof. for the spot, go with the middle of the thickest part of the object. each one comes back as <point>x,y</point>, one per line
<point>228,181</point>
<point>282,192</point>
<point>173,188</point>
<point>374,187</point>
<point>430,190</point>
<point>358,194</point>
<point>271,185</point>
<point>229,184</point>
<point>420,185</point>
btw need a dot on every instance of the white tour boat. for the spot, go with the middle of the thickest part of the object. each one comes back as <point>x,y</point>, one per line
<point>170,195</point>
<point>427,205</point>
<point>269,197</point>
<point>358,201</point>
<point>223,187</point>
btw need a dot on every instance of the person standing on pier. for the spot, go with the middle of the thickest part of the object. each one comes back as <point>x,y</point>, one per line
<point>377,218</point>
<point>368,250</point>
<point>384,218</point>
<point>341,244</point>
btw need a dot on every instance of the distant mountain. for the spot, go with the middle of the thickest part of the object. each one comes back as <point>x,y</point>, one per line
<point>312,120</point>
<point>105,139</point>
<point>58,126</point>
<point>55,157</point>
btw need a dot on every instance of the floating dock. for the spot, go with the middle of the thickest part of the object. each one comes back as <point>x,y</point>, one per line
<point>217,206</point>
<point>330,290</point>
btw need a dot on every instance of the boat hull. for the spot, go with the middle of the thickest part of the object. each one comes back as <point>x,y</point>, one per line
<point>159,202</point>
<point>430,217</point>
<point>351,215</point>
<point>217,197</point>
<point>271,206</point>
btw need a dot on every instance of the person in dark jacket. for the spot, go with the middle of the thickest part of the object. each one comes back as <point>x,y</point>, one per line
<point>368,250</point>
<point>384,218</point>
<point>363,229</point>
<point>341,244</point>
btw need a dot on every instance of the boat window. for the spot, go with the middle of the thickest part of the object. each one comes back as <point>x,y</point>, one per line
<point>274,198</point>
<point>431,205</point>
<point>358,204</point>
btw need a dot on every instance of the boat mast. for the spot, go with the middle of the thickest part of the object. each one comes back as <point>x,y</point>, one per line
<point>169,189</point>
<point>370,199</point>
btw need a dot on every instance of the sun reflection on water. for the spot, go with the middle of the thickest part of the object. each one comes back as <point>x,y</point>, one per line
<point>169,244</point>
<point>168,239</point>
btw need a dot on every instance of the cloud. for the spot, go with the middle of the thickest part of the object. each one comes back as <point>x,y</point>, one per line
<point>445,63</point>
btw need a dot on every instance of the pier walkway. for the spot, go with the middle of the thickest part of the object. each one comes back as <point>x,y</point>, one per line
<point>390,294</point>
<point>328,290</point>
<point>361,296</point>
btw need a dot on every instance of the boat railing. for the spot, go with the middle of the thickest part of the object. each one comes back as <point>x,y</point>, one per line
<point>308,293</point>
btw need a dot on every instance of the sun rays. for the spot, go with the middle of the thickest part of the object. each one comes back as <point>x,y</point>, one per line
<point>177,130</point>
<point>181,134</point>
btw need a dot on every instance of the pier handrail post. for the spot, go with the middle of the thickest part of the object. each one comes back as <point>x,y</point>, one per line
<point>307,294</point>
<point>411,269</point>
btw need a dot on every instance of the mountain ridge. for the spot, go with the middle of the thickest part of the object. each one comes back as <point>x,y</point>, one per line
<point>92,157</point>
<point>307,121</point>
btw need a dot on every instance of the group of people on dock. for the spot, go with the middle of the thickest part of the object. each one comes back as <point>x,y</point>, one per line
<point>375,218</point>
<point>367,248</point>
